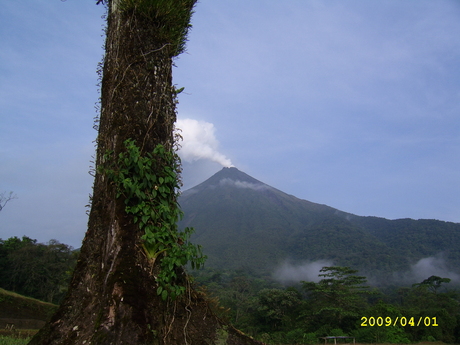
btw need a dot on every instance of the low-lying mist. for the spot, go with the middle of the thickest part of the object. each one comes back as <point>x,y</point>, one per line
<point>289,273</point>
<point>427,267</point>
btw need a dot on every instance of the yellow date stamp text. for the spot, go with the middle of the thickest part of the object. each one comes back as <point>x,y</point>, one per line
<point>380,321</point>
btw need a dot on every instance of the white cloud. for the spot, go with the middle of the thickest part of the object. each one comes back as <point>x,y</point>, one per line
<point>243,184</point>
<point>432,266</point>
<point>424,268</point>
<point>308,271</point>
<point>199,142</point>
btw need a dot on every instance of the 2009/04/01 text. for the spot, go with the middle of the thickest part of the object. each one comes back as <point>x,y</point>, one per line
<point>402,321</point>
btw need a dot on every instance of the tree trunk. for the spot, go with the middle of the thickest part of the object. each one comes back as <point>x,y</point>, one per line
<point>112,296</point>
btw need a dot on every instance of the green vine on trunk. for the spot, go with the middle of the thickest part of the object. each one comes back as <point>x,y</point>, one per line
<point>149,185</point>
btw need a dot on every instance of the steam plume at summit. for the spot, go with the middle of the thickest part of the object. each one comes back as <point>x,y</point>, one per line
<point>199,142</point>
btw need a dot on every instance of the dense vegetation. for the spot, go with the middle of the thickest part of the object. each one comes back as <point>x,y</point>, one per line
<point>36,269</point>
<point>340,303</point>
<point>247,226</point>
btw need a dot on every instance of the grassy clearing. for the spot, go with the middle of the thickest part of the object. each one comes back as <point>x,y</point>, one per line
<point>13,341</point>
<point>15,306</point>
<point>25,313</point>
<point>18,333</point>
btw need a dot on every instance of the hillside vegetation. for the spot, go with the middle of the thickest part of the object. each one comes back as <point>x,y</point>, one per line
<point>247,229</point>
<point>243,223</point>
<point>23,312</point>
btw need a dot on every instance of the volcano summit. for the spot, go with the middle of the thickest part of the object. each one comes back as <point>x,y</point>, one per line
<point>242,222</point>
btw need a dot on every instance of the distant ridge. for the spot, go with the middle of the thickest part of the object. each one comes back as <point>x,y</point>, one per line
<point>242,222</point>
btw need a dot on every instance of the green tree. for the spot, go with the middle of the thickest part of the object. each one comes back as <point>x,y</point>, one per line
<point>388,313</point>
<point>237,296</point>
<point>7,247</point>
<point>35,269</point>
<point>425,302</point>
<point>432,283</point>
<point>337,299</point>
<point>278,309</point>
<point>130,263</point>
<point>41,270</point>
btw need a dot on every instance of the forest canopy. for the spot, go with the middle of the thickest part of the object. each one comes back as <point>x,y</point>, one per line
<point>340,303</point>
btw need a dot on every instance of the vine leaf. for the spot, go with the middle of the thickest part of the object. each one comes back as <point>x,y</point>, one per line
<point>149,184</point>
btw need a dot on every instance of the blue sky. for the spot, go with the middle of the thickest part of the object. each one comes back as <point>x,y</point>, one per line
<point>353,104</point>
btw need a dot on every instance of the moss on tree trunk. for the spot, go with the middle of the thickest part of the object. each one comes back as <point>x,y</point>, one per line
<point>112,297</point>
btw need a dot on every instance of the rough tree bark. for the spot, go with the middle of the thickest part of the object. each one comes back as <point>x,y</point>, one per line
<point>112,297</point>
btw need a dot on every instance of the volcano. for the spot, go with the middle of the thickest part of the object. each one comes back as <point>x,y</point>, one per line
<point>243,223</point>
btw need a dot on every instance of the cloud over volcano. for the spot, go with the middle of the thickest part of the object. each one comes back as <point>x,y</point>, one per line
<point>199,142</point>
